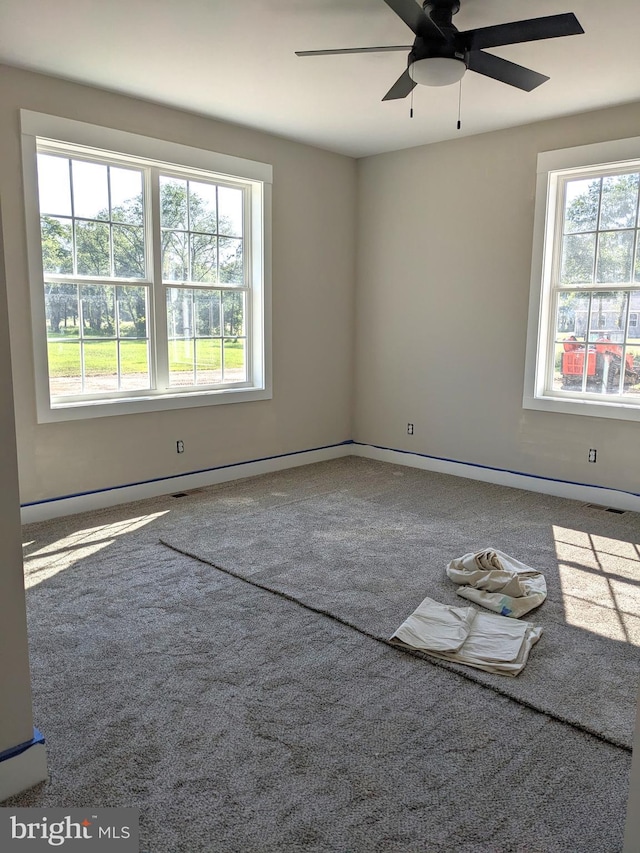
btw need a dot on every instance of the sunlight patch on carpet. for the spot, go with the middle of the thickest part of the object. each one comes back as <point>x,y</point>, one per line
<point>64,553</point>
<point>600,580</point>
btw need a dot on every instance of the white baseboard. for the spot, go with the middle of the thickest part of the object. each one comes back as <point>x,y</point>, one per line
<point>23,769</point>
<point>70,505</point>
<point>559,488</point>
<point>73,504</point>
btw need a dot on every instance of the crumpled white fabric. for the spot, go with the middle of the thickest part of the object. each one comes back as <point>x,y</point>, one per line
<point>467,636</point>
<point>498,582</point>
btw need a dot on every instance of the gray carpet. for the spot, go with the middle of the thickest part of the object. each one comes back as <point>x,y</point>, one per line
<point>371,540</point>
<point>237,720</point>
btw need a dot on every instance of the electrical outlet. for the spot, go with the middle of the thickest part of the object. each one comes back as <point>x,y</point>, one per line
<point>180,446</point>
<point>409,429</point>
<point>592,454</point>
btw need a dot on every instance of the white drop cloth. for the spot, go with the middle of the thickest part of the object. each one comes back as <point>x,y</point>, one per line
<point>498,582</point>
<point>464,635</point>
<point>437,628</point>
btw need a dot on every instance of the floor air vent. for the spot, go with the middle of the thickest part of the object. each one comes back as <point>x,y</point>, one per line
<point>606,508</point>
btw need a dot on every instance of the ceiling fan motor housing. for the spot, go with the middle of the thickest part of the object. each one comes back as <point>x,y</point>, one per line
<point>424,50</point>
<point>441,13</point>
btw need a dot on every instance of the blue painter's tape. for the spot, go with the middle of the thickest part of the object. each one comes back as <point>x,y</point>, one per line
<point>38,738</point>
<point>499,470</point>
<point>183,474</point>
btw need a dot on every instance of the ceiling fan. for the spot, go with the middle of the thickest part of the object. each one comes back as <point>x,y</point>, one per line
<point>441,54</point>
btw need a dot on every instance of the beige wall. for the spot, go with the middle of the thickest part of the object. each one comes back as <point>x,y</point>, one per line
<point>313,303</point>
<point>443,236</point>
<point>444,258</point>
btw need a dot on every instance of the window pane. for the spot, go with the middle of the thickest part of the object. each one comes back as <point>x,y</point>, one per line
<point>568,366</point>
<point>175,258</point>
<point>181,362</point>
<point>609,360</point>
<point>569,350</point>
<point>128,251</point>
<point>235,369</point>
<point>202,207</point>
<point>100,366</point>
<point>608,319</point>
<point>134,365</point>
<point>173,203</point>
<point>233,308</point>
<point>207,313</point>
<point>615,250</point>
<point>619,201</point>
<point>179,313</point>
<point>230,211</point>
<point>208,361</point>
<point>571,319</point>
<point>132,312</point>
<point>54,188</point>
<point>231,268</point>
<point>632,369</point>
<point>578,256</point>
<point>126,195</point>
<point>65,372</point>
<point>204,258</point>
<point>637,264</point>
<point>61,306</point>
<point>92,248</point>
<point>582,200</point>
<point>608,316</point>
<point>634,315</point>
<point>57,245</point>
<point>98,310</point>
<point>90,190</point>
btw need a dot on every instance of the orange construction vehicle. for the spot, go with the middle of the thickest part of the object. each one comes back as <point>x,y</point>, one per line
<point>604,360</point>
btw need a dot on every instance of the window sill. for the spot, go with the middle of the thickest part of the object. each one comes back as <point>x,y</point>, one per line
<point>139,405</point>
<point>590,408</point>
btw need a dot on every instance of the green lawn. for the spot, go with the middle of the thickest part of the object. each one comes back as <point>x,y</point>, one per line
<point>101,357</point>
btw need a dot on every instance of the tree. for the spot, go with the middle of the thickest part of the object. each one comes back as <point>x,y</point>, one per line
<point>57,244</point>
<point>607,205</point>
<point>115,246</point>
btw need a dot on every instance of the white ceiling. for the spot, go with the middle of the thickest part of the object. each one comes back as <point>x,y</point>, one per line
<point>234,60</point>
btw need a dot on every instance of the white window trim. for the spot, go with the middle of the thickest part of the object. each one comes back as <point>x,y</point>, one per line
<point>39,125</point>
<point>550,163</point>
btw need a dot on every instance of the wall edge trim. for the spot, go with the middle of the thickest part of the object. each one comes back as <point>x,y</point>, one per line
<point>125,493</point>
<point>101,498</point>
<point>23,767</point>
<point>585,492</point>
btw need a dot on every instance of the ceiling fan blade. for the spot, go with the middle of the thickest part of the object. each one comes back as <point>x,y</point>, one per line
<point>505,71</point>
<point>416,19</point>
<point>552,26</point>
<point>401,88</point>
<point>354,50</point>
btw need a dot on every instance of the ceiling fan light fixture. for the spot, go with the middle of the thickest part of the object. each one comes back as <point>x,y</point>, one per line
<point>437,71</point>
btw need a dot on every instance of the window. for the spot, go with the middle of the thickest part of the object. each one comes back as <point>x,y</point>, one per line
<point>583,346</point>
<point>150,272</point>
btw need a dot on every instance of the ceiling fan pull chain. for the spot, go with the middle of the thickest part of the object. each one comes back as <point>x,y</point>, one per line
<point>459,102</point>
<point>411,107</point>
